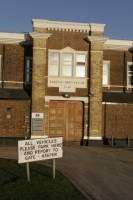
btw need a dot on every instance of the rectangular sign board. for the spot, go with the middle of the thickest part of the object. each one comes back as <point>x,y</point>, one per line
<point>37,121</point>
<point>39,149</point>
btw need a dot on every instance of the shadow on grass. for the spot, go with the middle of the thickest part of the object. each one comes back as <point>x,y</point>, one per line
<point>14,185</point>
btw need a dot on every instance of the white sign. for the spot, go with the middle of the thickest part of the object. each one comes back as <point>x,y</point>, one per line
<point>67,84</point>
<point>38,115</point>
<point>39,149</point>
<point>37,123</point>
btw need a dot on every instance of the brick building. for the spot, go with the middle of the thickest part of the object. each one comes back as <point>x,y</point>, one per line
<point>81,83</point>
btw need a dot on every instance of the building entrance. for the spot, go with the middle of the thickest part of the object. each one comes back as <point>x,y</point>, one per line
<point>66,120</point>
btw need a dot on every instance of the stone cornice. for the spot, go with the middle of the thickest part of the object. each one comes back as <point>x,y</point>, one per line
<point>11,38</point>
<point>96,39</point>
<point>68,26</point>
<point>112,44</point>
<point>40,35</point>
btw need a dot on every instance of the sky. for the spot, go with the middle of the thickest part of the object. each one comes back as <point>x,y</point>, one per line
<point>16,15</point>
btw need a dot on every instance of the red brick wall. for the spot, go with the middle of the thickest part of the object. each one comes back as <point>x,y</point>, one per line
<point>13,64</point>
<point>117,120</point>
<point>117,71</point>
<point>14,118</point>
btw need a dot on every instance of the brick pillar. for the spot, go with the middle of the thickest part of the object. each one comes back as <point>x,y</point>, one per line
<point>38,83</point>
<point>96,67</point>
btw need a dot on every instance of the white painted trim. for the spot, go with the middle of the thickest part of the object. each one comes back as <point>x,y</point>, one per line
<point>115,103</point>
<point>128,85</point>
<point>38,48</point>
<point>85,137</point>
<point>40,35</point>
<point>13,81</point>
<point>108,84</point>
<point>49,98</point>
<point>67,26</point>
<point>118,44</point>
<point>11,38</point>
<point>100,39</point>
<point>95,138</point>
<point>39,136</point>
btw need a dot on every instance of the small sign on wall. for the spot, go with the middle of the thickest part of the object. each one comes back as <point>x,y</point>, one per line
<point>67,84</point>
<point>37,121</point>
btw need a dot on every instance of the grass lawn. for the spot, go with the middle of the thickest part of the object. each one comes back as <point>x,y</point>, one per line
<point>14,185</point>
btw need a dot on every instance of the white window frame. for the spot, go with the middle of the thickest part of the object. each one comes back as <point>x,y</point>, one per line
<point>108,74</point>
<point>69,51</point>
<point>51,51</point>
<point>128,84</point>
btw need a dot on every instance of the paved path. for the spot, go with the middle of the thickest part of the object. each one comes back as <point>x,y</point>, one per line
<point>99,173</point>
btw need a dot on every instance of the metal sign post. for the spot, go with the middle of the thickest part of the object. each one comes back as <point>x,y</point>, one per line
<point>39,149</point>
<point>28,171</point>
<point>53,168</point>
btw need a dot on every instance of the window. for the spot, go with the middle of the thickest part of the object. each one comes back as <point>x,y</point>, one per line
<point>129,74</point>
<point>53,69</point>
<point>80,65</point>
<point>0,68</point>
<point>67,64</point>
<point>106,67</point>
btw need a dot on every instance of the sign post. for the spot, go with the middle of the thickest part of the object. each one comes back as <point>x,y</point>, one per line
<point>28,171</point>
<point>39,149</point>
<point>53,168</point>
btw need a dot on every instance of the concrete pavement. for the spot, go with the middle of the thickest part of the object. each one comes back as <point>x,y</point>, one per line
<point>100,173</point>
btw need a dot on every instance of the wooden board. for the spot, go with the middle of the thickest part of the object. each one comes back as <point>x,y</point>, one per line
<point>66,120</point>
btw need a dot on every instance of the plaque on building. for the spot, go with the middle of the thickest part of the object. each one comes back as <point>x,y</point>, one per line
<point>37,122</point>
<point>66,84</point>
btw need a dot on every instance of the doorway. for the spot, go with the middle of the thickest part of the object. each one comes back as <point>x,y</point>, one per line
<point>66,120</point>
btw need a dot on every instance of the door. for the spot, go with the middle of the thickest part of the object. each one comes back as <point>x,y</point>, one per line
<point>66,120</point>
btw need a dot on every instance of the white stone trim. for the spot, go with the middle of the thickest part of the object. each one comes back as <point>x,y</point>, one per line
<point>13,81</point>
<point>11,38</point>
<point>108,73</point>
<point>40,35</point>
<point>95,138</point>
<point>67,26</point>
<point>128,84</point>
<point>38,48</point>
<point>115,103</point>
<point>49,98</point>
<point>96,39</point>
<point>85,137</point>
<point>39,136</point>
<point>118,44</point>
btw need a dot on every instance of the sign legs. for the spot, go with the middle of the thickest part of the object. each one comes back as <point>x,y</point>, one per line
<point>28,171</point>
<point>53,168</point>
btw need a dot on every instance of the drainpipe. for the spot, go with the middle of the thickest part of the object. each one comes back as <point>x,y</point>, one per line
<point>89,84</point>
<point>124,73</point>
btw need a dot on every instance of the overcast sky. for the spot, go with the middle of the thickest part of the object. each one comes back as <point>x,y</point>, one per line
<point>16,15</point>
